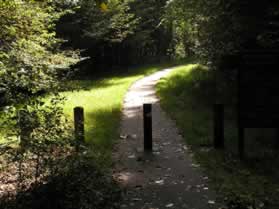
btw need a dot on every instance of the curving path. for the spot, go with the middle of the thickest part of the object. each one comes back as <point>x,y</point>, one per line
<point>168,178</point>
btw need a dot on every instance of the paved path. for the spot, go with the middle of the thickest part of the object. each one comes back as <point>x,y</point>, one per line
<point>168,178</point>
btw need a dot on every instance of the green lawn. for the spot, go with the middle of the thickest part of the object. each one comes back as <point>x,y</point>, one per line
<point>102,102</point>
<point>186,95</point>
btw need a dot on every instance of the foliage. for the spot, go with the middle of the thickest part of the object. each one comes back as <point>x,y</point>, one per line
<point>150,38</point>
<point>112,25</point>
<point>31,61</point>
<point>131,31</point>
<point>41,129</point>
<point>216,30</point>
<point>126,32</point>
<point>31,64</point>
<point>96,25</point>
<point>178,15</point>
<point>76,183</point>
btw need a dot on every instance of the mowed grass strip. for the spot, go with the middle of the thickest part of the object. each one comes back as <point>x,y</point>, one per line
<point>187,96</point>
<point>102,101</point>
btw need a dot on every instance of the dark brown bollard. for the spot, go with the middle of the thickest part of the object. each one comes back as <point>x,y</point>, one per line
<point>79,124</point>
<point>147,127</point>
<point>219,137</point>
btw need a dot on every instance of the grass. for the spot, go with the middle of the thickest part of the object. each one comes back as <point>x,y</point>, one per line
<point>102,100</point>
<point>187,96</point>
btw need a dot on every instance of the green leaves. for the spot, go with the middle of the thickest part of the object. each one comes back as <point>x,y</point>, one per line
<point>29,51</point>
<point>109,21</point>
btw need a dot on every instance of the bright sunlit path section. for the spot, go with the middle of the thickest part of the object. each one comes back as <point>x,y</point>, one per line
<point>142,92</point>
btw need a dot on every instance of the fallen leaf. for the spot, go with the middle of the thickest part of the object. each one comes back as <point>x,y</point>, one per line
<point>159,182</point>
<point>261,205</point>
<point>169,205</point>
<point>178,150</point>
<point>188,187</point>
<point>195,165</point>
<point>123,136</point>
<point>132,156</point>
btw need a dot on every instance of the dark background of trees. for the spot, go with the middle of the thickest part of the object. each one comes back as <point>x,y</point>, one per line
<point>142,31</point>
<point>115,33</point>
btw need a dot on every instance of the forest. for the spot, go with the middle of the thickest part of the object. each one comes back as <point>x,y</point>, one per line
<point>59,54</point>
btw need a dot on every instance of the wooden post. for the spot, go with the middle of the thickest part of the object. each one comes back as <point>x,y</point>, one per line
<point>79,124</point>
<point>147,127</point>
<point>241,144</point>
<point>219,137</point>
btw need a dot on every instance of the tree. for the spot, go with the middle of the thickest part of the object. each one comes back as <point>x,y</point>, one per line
<point>126,32</point>
<point>31,61</point>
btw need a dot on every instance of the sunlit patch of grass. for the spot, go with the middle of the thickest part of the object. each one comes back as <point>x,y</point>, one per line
<point>102,105</point>
<point>189,112</point>
<point>102,102</point>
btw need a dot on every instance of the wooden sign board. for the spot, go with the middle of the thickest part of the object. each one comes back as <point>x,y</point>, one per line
<point>258,89</point>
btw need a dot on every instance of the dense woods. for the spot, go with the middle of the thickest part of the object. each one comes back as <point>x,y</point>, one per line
<point>125,33</point>
<point>45,43</point>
